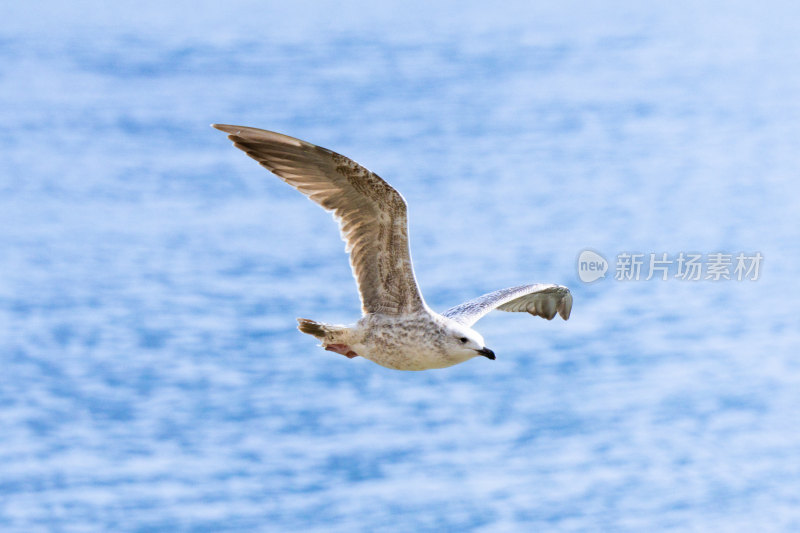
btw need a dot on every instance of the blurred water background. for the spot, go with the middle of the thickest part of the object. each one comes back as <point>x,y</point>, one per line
<point>151,376</point>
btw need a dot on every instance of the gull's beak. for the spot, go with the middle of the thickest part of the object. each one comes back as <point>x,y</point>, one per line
<point>486,352</point>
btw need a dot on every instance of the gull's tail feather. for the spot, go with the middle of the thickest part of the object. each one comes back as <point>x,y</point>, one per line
<point>310,327</point>
<point>325,332</point>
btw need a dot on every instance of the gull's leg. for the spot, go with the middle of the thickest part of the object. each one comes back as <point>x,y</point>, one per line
<point>343,349</point>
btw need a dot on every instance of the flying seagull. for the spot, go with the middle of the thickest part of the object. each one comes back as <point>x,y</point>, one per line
<point>397,330</point>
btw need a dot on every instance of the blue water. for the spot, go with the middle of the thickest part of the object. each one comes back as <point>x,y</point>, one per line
<point>151,376</point>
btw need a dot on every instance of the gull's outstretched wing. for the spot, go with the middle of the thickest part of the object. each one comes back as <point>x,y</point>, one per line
<point>371,214</point>
<point>541,299</point>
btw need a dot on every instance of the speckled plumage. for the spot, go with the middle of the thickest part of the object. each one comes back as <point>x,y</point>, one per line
<point>397,329</point>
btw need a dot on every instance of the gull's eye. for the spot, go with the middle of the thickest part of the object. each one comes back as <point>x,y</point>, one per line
<point>463,340</point>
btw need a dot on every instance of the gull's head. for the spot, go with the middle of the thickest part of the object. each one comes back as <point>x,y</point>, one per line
<point>465,343</point>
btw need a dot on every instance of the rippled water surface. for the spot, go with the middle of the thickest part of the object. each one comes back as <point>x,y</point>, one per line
<point>151,376</point>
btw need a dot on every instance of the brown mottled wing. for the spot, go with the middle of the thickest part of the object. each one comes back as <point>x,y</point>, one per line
<point>371,214</point>
<point>541,299</point>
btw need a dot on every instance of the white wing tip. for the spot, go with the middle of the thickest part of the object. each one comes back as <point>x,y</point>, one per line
<point>557,300</point>
<point>565,305</point>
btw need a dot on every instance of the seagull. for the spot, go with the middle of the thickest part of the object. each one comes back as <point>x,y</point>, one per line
<point>397,330</point>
